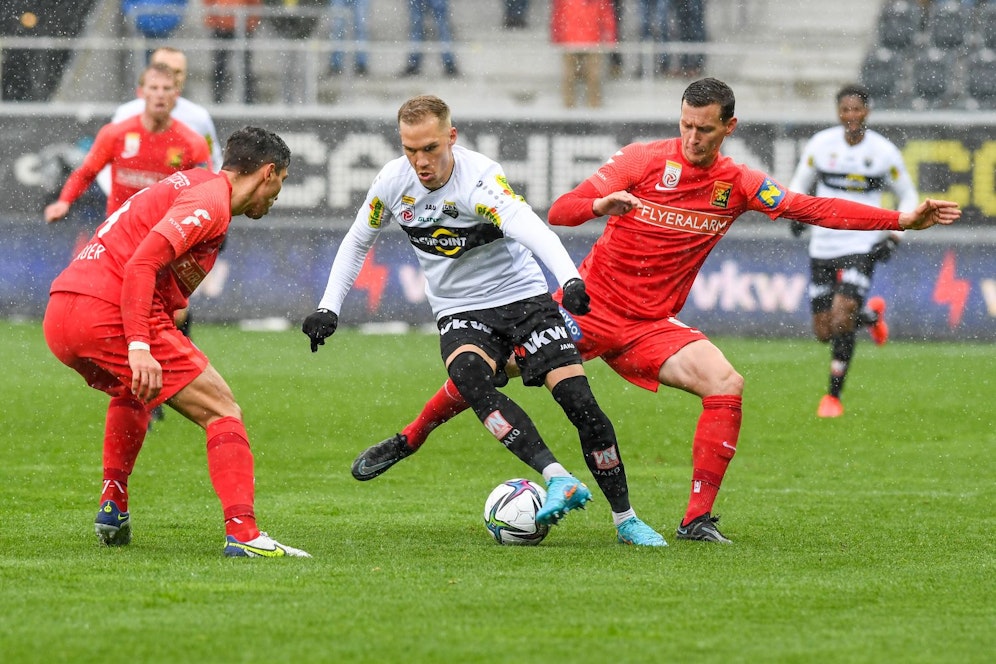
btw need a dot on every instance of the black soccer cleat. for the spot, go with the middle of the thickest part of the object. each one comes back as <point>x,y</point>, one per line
<point>702,529</point>
<point>376,459</point>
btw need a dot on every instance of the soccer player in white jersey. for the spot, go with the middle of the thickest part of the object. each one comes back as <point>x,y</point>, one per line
<point>475,239</point>
<point>853,162</point>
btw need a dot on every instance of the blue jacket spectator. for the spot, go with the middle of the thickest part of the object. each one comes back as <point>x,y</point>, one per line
<point>155,19</point>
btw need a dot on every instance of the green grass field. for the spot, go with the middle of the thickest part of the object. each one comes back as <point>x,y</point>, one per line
<point>864,539</point>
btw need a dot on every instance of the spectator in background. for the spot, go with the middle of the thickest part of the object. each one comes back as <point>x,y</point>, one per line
<point>854,163</point>
<point>653,30</point>
<point>228,26</point>
<point>690,26</point>
<point>516,14</point>
<point>155,19</point>
<point>360,18</point>
<point>441,12</point>
<point>582,28</point>
<point>294,20</point>
<point>615,57</point>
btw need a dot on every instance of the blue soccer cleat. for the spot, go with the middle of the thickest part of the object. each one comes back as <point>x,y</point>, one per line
<point>113,527</point>
<point>636,532</point>
<point>563,494</point>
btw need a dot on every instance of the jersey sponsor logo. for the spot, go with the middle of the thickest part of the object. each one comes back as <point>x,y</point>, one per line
<point>721,194</point>
<point>506,188</point>
<point>573,328</point>
<point>770,194</point>
<point>497,425</point>
<point>464,324</point>
<point>488,213</point>
<point>376,216</point>
<point>132,143</point>
<point>606,459</point>
<point>852,182</point>
<point>688,221</point>
<point>188,272</point>
<point>540,338</point>
<point>670,177</point>
<point>451,242</point>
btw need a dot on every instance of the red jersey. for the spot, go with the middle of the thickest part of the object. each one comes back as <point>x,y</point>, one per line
<point>644,263</point>
<point>191,210</point>
<point>138,158</point>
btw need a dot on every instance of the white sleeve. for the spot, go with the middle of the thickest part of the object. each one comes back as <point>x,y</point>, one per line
<point>805,175</point>
<point>348,261</point>
<point>902,185</point>
<point>525,227</point>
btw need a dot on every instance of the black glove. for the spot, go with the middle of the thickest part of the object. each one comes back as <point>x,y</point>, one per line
<point>797,228</point>
<point>319,326</point>
<point>883,249</point>
<point>575,298</point>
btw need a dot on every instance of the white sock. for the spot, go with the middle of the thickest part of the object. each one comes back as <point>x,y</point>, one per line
<point>554,470</point>
<point>619,517</point>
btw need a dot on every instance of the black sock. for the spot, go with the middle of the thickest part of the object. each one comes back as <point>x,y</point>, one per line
<point>841,352</point>
<point>598,439</point>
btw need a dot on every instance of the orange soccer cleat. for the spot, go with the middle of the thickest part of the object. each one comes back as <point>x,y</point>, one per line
<point>830,406</point>
<point>880,330</point>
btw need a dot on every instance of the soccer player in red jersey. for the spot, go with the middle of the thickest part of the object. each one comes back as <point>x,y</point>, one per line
<point>110,318</point>
<point>669,202</point>
<point>140,150</point>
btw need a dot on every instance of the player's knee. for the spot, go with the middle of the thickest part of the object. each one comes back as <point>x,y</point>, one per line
<point>575,398</point>
<point>472,375</point>
<point>727,381</point>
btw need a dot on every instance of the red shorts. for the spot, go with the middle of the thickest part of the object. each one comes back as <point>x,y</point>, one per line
<point>635,350</point>
<point>86,334</point>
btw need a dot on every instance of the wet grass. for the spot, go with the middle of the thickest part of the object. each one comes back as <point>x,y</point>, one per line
<point>863,539</point>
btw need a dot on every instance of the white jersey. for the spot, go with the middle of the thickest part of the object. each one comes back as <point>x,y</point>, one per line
<point>193,115</point>
<point>474,237</point>
<point>861,173</point>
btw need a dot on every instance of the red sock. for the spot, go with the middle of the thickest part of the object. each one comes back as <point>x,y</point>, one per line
<point>230,465</point>
<point>444,405</point>
<point>125,426</point>
<point>714,445</point>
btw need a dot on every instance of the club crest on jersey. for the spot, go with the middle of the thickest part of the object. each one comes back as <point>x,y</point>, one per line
<point>376,216</point>
<point>670,176</point>
<point>450,209</point>
<point>132,142</point>
<point>721,194</point>
<point>174,158</point>
<point>770,194</point>
<point>407,208</point>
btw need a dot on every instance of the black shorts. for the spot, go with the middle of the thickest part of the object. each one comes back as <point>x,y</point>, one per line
<point>531,329</point>
<point>849,276</point>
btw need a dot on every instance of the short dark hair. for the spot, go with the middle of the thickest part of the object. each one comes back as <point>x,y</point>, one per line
<point>250,147</point>
<point>854,90</point>
<point>417,109</point>
<point>708,91</point>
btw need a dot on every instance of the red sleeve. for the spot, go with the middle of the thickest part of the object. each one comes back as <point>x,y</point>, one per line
<point>139,283</point>
<point>98,157</point>
<point>839,213</point>
<point>574,207</point>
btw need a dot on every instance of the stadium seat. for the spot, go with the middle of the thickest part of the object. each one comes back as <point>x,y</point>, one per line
<point>155,19</point>
<point>947,24</point>
<point>933,70</point>
<point>986,21</point>
<point>981,78</point>
<point>898,24</point>
<point>883,73</point>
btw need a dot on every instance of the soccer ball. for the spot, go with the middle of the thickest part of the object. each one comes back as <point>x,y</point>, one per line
<point>510,513</point>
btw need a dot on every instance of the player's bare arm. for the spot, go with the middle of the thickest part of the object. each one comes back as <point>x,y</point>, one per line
<point>616,203</point>
<point>929,213</point>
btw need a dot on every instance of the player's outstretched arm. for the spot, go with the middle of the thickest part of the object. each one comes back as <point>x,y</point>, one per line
<point>929,213</point>
<point>56,211</point>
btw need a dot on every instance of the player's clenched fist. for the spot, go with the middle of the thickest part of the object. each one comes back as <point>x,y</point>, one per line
<point>319,326</point>
<point>575,298</point>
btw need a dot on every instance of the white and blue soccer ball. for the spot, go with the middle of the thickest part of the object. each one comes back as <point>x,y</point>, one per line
<point>510,513</point>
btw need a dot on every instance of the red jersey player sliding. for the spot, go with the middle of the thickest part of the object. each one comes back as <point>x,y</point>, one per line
<point>140,150</point>
<point>669,202</point>
<point>110,318</point>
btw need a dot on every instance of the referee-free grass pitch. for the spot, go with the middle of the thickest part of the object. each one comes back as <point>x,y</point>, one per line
<point>863,539</point>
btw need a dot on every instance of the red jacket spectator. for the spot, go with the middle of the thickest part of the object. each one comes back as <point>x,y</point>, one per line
<point>216,19</point>
<point>582,22</point>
